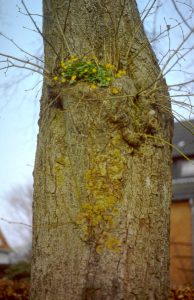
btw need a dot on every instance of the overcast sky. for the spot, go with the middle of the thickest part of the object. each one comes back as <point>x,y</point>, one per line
<point>19,108</point>
<point>19,104</point>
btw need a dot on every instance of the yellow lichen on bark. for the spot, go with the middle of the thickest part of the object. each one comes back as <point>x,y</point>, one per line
<point>99,214</point>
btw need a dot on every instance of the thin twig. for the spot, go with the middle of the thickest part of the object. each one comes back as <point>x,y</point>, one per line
<point>25,62</point>
<point>19,67</point>
<point>37,28</point>
<point>20,11</point>
<point>182,17</point>
<point>22,50</point>
<point>60,28</point>
<point>66,17</point>
<point>14,222</point>
<point>182,83</point>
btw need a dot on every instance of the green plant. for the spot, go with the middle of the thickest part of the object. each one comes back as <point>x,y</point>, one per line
<point>75,69</point>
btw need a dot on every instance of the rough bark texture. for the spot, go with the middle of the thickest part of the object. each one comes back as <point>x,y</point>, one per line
<point>102,178</point>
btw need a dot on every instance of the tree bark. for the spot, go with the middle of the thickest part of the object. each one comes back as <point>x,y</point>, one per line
<point>102,177</point>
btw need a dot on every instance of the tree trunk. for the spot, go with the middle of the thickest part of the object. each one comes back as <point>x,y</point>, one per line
<point>102,178</point>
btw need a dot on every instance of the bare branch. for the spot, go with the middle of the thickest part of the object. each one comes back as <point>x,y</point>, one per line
<point>182,17</point>
<point>22,13</point>
<point>181,83</point>
<point>19,67</point>
<point>25,62</point>
<point>30,29</point>
<point>149,10</point>
<point>22,50</point>
<point>161,74</point>
<point>138,28</point>
<point>15,222</point>
<point>38,29</point>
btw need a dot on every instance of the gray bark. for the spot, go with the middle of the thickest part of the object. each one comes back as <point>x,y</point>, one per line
<point>110,153</point>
